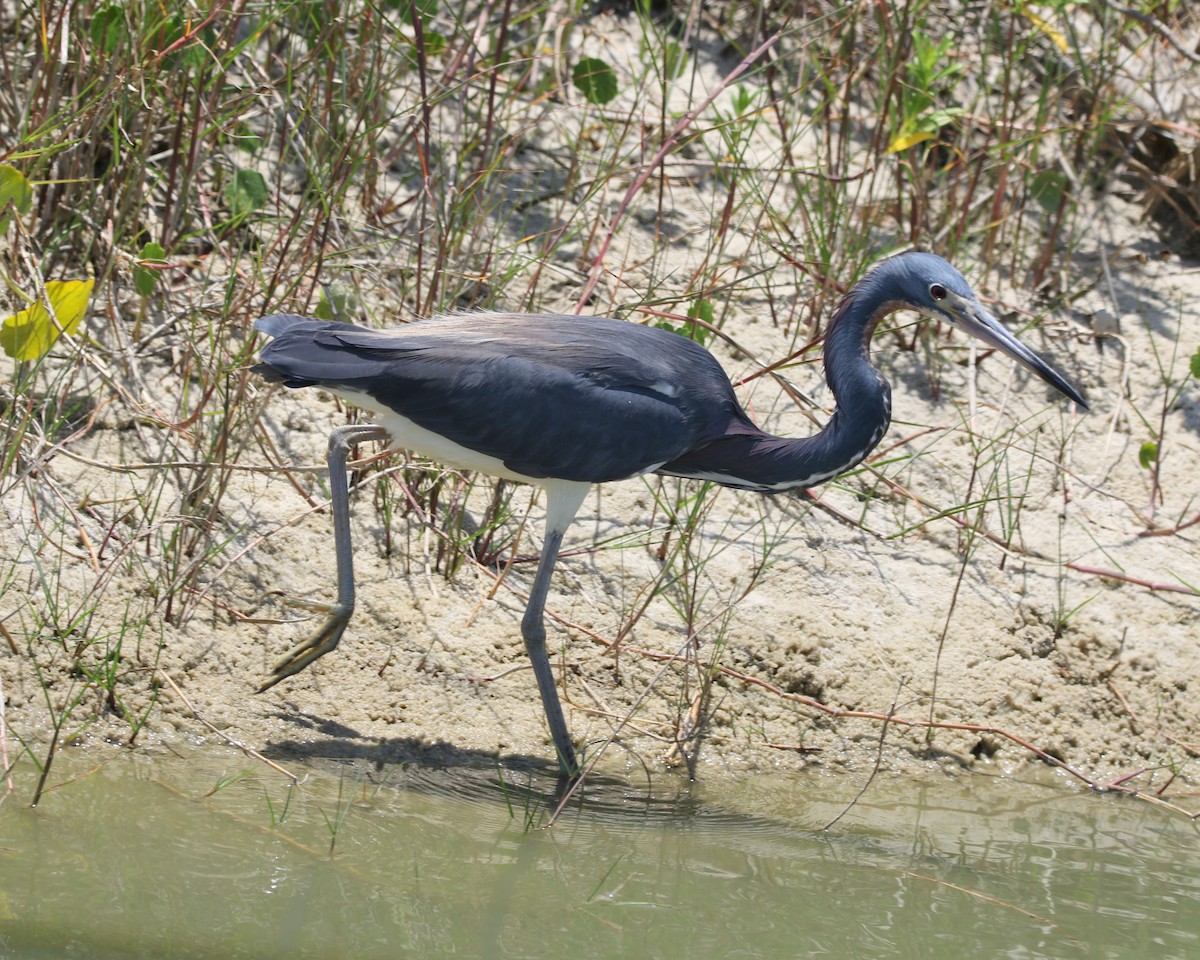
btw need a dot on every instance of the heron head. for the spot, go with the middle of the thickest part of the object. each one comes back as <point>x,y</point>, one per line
<point>933,286</point>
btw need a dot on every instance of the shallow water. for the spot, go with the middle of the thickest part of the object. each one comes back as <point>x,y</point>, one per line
<point>163,857</point>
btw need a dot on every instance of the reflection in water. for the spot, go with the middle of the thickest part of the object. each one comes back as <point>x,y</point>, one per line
<point>138,860</point>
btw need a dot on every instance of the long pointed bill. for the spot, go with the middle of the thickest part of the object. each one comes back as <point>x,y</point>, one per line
<point>977,321</point>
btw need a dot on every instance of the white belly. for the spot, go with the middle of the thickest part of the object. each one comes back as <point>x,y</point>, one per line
<point>406,435</point>
<point>563,497</point>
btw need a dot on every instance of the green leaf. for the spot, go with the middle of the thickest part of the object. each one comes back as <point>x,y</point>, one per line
<point>1148,454</point>
<point>435,43</point>
<point>193,55</point>
<point>425,9</point>
<point>919,128</point>
<point>108,30</point>
<point>936,119</point>
<point>929,68</point>
<point>1049,188</point>
<point>702,310</point>
<point>335,304</point>
<point>742,98</point>
<point>16,191</point>
<point>247,192</point>
<point>674,59</point>
<point>595,79</point>
<point>1195,364</point>
<point>144,278</point>
<point>931,64</point>
<point>31,333</point>
<point>246,139</point>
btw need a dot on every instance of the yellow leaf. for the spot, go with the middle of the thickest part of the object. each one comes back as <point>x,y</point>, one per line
<point>1044,25</point>
<point>31,333</point>
<point>907,140</point>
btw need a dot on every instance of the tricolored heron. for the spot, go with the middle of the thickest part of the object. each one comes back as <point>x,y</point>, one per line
<point>564,402</point>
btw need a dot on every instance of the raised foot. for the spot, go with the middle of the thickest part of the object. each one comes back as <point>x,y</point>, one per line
<point>315,647</point>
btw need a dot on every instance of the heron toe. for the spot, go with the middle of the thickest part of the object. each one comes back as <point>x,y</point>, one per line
<point>315,647</point>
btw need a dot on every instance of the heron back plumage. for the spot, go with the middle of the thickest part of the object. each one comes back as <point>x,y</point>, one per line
<point>576,398</point>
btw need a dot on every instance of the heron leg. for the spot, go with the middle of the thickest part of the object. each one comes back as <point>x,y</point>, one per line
<point>325,639</point>
<point>563,501</point>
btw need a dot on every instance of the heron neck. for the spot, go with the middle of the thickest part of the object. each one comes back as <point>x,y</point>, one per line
<point>747,458</point>
<point>862,396</point>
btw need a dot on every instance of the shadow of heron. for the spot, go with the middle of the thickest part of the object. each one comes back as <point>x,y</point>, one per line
<point>531,786</point>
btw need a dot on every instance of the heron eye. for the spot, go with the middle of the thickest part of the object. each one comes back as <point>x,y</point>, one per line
<point>937,291</point>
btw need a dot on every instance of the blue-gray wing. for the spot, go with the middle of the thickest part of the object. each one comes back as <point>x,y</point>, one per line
<point>576,398</point>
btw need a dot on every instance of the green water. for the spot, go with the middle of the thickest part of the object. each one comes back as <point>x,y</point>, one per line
<point>135,860</point>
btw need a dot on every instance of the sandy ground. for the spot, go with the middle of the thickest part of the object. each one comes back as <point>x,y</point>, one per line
<point>1002,617</point>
